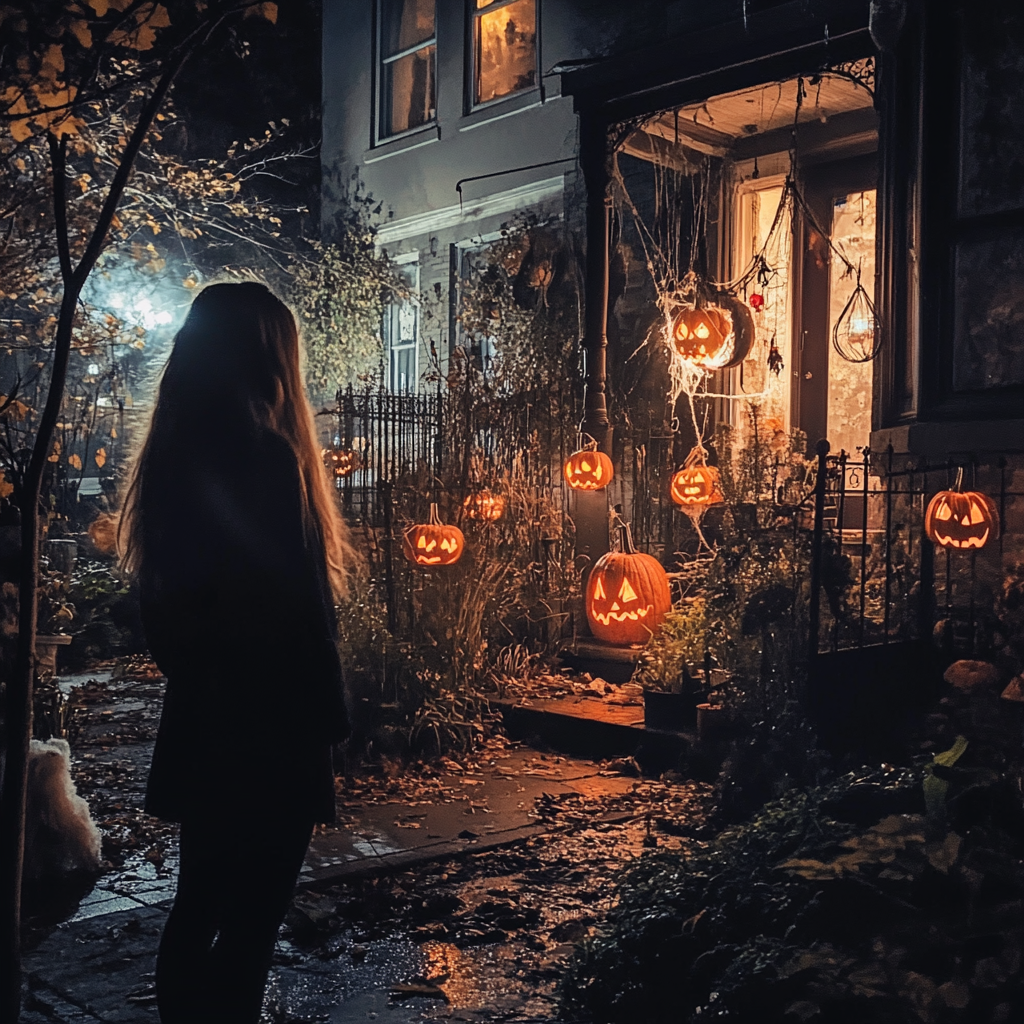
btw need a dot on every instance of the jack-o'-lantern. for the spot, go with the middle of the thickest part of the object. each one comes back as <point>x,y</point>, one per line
<point>697,484</point>
<point>483,505</point>
<point>341,462</point>
<point>627,595</point>
<point>588,470</point>
<point>432,543</point>
<point>703,336</point>
<point>961,519</point>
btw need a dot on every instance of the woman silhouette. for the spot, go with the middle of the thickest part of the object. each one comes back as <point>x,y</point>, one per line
<point>232,533</point>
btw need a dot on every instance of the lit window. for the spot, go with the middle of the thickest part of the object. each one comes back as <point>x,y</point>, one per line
<point>401,328</point>
<point>504,47</point>
<point>408,47</point>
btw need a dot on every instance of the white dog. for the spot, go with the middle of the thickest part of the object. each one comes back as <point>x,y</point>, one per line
<point>60,836</point>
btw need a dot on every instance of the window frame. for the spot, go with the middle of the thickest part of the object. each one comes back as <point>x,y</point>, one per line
<point>380,137</point>
<point>404,264</point>
<point>473,15</point>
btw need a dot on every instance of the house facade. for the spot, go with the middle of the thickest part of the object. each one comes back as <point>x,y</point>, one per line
<point>449,112</point>
<point>845,176</point>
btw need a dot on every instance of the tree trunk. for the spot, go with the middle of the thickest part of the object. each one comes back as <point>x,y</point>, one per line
<point>19,687</point>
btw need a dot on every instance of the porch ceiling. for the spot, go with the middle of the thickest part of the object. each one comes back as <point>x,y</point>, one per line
<point>733,123</point>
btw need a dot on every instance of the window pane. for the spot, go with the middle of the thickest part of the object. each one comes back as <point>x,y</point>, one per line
<point>849,384</point>
<point>408,92</point>
<point>403,369</point>
<point>405,23</point>
<point>506,50</point>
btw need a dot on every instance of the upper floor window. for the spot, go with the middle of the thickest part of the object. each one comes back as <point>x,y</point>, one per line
<point>504,48</point>
<point>408,75</point>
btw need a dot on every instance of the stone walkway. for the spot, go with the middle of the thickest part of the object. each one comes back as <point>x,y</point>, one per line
<point>96,963</point>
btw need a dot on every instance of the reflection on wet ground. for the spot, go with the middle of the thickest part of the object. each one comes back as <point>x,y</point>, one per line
<point>480,939</point>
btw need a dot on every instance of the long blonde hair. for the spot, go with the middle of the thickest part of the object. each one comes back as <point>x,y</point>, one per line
<point>236,364</point>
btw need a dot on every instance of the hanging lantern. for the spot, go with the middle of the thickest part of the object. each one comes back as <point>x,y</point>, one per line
<point>627,594</point>
<point>341,462</point>
<point>961,519</point>
<point>588,470</point>
<point>433,543</point>
<point>696,485</point>
<point>856,336</point>
<point>483,505</point>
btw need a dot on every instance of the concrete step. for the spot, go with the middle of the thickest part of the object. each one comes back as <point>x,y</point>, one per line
<point>609,661</point>
<point>596,729</point>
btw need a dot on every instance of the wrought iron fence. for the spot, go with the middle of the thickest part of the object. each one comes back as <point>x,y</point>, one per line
<point>876,578</point>
<point>417,449</point>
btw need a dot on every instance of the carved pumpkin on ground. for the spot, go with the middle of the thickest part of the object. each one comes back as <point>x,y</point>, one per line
<point>627,595</point>
<point>697,484</point>
<point>483,505</point>
<point>341,462</point>
<point>588,470</point>
<point>433,543</point>
<point>961,519</point>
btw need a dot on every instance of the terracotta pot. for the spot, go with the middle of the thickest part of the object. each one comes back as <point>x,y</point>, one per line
<point>712,721</point>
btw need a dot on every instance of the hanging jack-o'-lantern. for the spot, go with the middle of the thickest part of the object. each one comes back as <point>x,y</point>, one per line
<point>961,519</point>
<point>627,595</point>
<point>697,484</point>
<point>588,470</point>
<point>702,336</point>
<point>432,543</point>
<point>714,336</point>
<point>484,505</point>
<point>341,462</point>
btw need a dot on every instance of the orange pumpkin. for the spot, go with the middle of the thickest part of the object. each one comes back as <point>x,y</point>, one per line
<point>341,462</point>
<point>704,336</point>
<point>433,543</point>
<point>484,505</point>
<point>961,519</point>
<point>696,486</point>
<point>588,470</point>
<point>627,595</point>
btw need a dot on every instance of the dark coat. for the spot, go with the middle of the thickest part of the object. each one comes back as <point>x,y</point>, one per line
<point>238,615</point>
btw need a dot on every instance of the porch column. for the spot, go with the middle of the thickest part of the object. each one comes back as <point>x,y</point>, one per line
<point>591,507</point>
<point>595,161</point>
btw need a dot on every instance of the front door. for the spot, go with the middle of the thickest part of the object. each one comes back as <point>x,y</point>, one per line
<point>831,393</point>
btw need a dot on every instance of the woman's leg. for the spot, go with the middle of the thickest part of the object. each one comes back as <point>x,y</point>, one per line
<point>182,964</point>
<point>257,882</point>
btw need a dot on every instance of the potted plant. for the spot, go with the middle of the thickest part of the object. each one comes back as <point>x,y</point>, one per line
<point>672,687</point>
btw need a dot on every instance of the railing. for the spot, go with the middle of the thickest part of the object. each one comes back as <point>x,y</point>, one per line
<point>889,582</point>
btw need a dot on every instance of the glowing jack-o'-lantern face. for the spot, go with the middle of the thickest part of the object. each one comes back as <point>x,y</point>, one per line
<point>696,486</point>
<point>433,543</point>
<point>704,337</point>
<point>627,596</point>
<point>963,520</point>
<point>588,470</point>
<point>483,505</point>
<point>341,462</point>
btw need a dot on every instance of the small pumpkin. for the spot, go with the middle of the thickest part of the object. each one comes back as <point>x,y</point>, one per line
<point>588,470</point>
<point>484,506</point>
<point>627,595</point>
<point>341,462</point>
<point>433,543</point>
<point>961,519</point>
<point>697,484</point>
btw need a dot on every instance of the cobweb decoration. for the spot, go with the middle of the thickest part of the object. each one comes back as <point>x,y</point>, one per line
<point>671,248</point>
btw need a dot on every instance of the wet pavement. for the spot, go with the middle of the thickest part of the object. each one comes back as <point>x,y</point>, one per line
<point>454,892</point>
